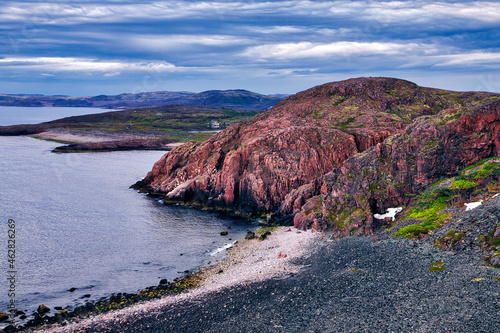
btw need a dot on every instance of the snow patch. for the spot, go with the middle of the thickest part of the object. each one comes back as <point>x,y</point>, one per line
<point>391,212</point>
<point>472,205</point>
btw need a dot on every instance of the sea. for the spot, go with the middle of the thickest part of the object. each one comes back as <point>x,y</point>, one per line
<point>77,224</point>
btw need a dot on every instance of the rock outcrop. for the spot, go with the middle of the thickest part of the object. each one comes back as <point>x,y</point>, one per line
<point>283,158</point>
<point>392,172</point>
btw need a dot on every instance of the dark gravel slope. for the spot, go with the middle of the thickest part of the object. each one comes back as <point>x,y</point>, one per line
<point>349,285</point>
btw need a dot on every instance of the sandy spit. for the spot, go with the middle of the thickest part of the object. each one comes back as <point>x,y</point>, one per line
<point>92,136</point>
<point>246,262</point>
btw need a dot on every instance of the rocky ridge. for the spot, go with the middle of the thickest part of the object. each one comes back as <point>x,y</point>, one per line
<point>351,149</point>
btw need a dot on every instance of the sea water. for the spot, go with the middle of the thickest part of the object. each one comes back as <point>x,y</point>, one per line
<point>15,115</point>
<point>78,225</point>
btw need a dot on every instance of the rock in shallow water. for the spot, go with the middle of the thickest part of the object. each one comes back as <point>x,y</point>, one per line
<point>4,316</point>
<point>250,235</point>
<point>43,309</point>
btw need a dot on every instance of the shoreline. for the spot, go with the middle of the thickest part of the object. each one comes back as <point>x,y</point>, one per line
<point>349,284</point>
<point>246,262</point>
<point>103,141</point>
<point>90,135</point>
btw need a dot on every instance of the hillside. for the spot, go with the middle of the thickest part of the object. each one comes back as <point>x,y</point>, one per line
<point>252,167</point>
<point>239,99</point>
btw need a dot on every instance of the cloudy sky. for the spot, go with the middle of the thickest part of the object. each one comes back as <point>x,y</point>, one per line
<point>89,47</point>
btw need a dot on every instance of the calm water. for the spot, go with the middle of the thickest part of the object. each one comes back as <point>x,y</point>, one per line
<point>14,115</point>
<point>78,225</point>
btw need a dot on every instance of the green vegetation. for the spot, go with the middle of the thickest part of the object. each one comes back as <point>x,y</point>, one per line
<point>491,241</point>
<point>487,170</point>
<point>263,230</point>
<point>452,238</point>
<point>482,169</point>
<point>437,266</point>
<point>429,212</point>
<point>429,207</point>
<point>431,144</point>
<point>347,122</point>
<point>462,184</point>
<point>181,123</point>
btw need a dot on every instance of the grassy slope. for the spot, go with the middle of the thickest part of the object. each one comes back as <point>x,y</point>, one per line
<point>173,121</point>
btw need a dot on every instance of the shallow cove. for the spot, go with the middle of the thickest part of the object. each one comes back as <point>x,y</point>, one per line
<point>78,225</point>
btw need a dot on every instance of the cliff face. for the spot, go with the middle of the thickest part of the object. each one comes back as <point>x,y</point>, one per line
<point>390,173</point>
<point>281,158</point>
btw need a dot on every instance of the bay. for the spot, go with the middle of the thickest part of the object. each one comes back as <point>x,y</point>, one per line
<point>78,225</point>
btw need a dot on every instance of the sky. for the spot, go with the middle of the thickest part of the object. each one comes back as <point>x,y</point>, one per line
<point>88,47</point>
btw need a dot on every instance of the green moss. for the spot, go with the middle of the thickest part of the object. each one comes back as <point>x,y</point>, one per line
<point>428,211</point>
<point>342,218</point>
<point>431,144</point>
<point>347,122</point>
<point>448,118</point>
<point>462,184</point>
<point>318,114</point>
<point>337,100</point>
<point>430,214</point>
<point>415,230</point>
<point>488,170</point>
<point>491,240</point>
<point>452,238</point>
<point>436,269</point>
<point>479,135</point>
<point>263,230</point>
<point>437,266</point>
<point>472,168</point>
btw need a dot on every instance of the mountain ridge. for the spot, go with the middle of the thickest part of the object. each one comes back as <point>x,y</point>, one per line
<point>235,98</point>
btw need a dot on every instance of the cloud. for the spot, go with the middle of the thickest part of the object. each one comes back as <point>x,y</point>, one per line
<point>388,12</point>
<point>60,64</point>
<point>316,50</point>
<point>112,41</point>
<point>468,59</point>
<point>413,12</point>
<point>169,42</point>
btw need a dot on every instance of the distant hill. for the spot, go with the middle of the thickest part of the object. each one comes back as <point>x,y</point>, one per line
<point>240,99</point>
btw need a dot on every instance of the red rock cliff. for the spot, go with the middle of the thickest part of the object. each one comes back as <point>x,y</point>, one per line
<point>253,166</point>
<point>390,173</point>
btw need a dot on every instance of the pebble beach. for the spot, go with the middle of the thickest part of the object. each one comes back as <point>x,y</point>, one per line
<point>296,281</point>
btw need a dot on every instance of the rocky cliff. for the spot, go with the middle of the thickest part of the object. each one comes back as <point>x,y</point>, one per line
<point>351,148</point>
<point>392,172</point>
